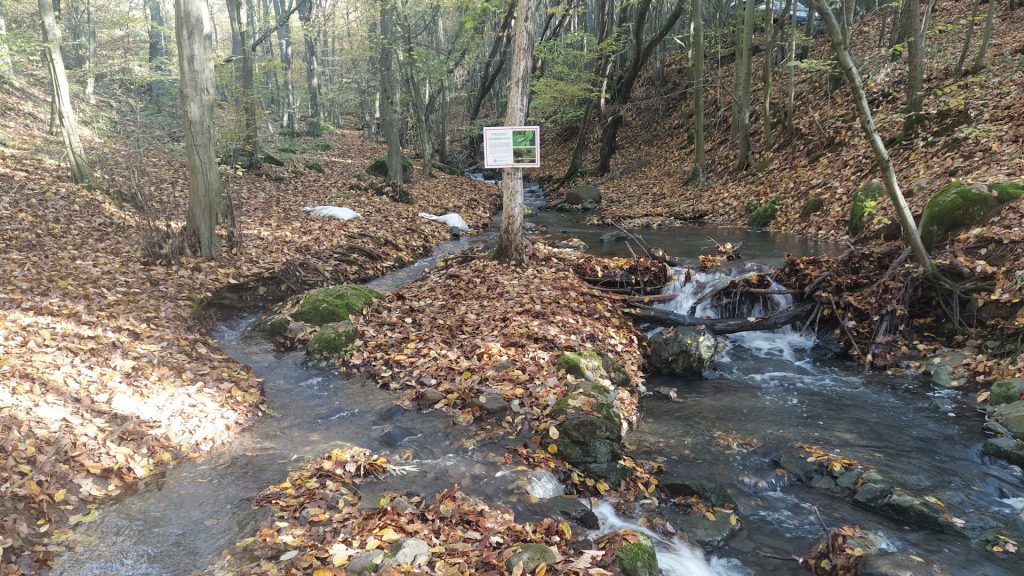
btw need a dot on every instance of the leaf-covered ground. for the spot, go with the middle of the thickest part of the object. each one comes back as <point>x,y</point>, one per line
<point>480,327</point>
<point>104,374</point>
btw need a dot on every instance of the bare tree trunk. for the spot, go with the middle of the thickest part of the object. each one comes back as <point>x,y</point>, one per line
<point>250,152</point>
<point>745,73</point>
<point>791,101</point>
<point>312,68</point>
<point>419,106</point>
<point>390,115</point>
<point>512,244</point>
<point>6,65</point>
<point>979,61</point>
<point>90,54</point>
<point>867,123</point>
<point>236,39</point>
<point>915,63</point>
<point>491,71</point>
<point>157,46</point>
<point>969,35</point>
<point>766,76</point>
<point>81,173</point>
<point>195,67</point>
<point>284,39</point>
<point>697,35</point>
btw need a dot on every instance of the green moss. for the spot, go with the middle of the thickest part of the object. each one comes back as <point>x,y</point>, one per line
<point>586,365</point>
<point>315,167</point>
<point>330,342</point>
<point>1007,192</point>
<point>637,558</point>
<point>750,206</point>
<point>272,160</point>
<point>322,146</point>
<point>764,213</point>
<point>811,206</point>
<point>958,206</point>
<point>286,149</point>
<point>864,200</point>
<point>277,326</point>
<point>333,304</point>
<point>379,167</point>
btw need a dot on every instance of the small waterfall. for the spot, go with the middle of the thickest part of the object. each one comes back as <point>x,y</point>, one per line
<point>675,557</point>
<point>695,297</point>
<point>543,484</point>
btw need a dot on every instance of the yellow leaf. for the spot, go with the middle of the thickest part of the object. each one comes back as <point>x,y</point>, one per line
<point>59,495</point>
<point>553,432</point>
<point>541,570</point>
<point>733,519</point>
<point>709,516</point>
<point>602,486</point>
<point>935,501</point>
<point>552,448</point>
<point>389,535</point>
<point>322,572</point>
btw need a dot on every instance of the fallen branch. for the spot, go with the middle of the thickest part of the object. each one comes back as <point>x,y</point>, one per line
<point>722,325</point>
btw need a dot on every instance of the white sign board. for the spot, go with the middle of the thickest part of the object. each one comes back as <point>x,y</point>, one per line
<point>512,147</point>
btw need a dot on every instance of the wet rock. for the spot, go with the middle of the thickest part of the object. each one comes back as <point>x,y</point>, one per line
<point>898,564</point>
<point>637,556</point>
<point>958,206</point>
<point>707,533</point>
<point>491,401</point>
<point>616,236</point>
<point>714,494</point>
<point>330,342</point>
<point>396,435</point>
<point>794,461</point>
<point>392,412</point>
<point>580,194</point>
<point>939,369</point>
<point>572,244</point>
<point>431,395</point>
<point>1011,417</point>
<point>1004,447</point>
<point>407,552</point>
<point>1006,391</point>
<point>295,330</point>
<point>365,562</point>
<point>588,204</point>
<point>455,232</point>
<point>848,480</point>
<point>944,405</point>
<point>686,352</point>
<point>593,443</point>
<point>530,556</point>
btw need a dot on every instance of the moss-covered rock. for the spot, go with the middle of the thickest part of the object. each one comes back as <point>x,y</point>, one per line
<point>811,206</point>
<point>272,160</point>
<point>864,200</point>
<point>1011,417</point>
<point>593,367</point>
<point>1006,391</point>
<point>379,167</point>
<point>275,326</point>
<point>685,352</point>
<point>333,303</point>
<point>958,206</point>
<point>330,342</point>
<point>531,556</point>
<point>764,214</point>
<point>315,167</point>
<point>636,556</point>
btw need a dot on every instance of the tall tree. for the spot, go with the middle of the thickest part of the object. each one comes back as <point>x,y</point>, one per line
<point>6,66</point>
<point>196,89</point>
<point>390,114</point>
<point>157,45</point>
<point>986,36</point>
<point>249,155</point>
<point>697,35</point>
<point>969,35</point>
<point>867,124</point>
<point>284,38</point>
<point>81,173</point>
<point>419,105</point>
<point>495,61</point>
<point>915,62</point>
<point>745,71</point>
<point>512,244</point>
<point>309,34</point>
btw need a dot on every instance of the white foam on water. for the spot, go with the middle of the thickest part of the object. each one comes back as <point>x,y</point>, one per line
<point>675,557</point>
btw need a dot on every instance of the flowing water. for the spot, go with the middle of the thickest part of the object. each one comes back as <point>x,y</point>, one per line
<point>768,390</point>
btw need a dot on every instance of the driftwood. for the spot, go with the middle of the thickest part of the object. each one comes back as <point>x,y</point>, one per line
<point>722,325</point>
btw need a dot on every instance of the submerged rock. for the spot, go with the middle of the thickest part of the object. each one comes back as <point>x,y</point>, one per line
<point>1006,391</point>
<point>686,352</point>
<point>940,369</point>
<point>898,564</point>
<point>714,494</point>
<point>530,556</point>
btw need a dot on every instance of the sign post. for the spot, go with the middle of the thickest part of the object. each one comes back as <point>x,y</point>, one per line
<point>512,147</point>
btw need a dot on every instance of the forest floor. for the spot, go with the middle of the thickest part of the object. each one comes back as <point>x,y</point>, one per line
<point>970,132</point>
<point>106,373</point>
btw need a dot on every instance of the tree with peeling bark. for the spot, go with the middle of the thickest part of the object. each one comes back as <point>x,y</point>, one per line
<point>512,243</point>
<point>867,123</point>
<point>81,172</point>
<point>206,194</point>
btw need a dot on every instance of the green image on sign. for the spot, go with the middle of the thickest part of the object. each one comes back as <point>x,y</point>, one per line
<point>523,138</point>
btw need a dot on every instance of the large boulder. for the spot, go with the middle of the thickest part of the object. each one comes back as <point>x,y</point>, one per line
<point>530,556</point>
<point>1006,391</point>
<point>379,167</point>
<point>958,206</point>
<point>714,494</point>
<point>1011,417</point>
<point>333,304</point>
<point>684,351</point>
<point>594,367</point>
<point>864,201</point>
<point>581,194</point>
<point>636,555</point>
<point>708,532</point>
<point>898,564</point>
<point>591,441</point>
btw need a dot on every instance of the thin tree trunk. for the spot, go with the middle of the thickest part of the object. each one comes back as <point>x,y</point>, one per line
<point>236,39</point>
<point>805,48</point>
<point>90,54</point>
<point>6,65</point>
<point>416,97</point>
<point>512,244</point>
<point>157,47</point>
<point>697,35</point>
<point>81,173</point>
<point>867,123</point>
<point>250,152</point>
<point>284,39</point>
<point>389,92</point>
<point>745,73</point>
<point>791,101</point>
<point>915,63</point>
<point>490,72</point>
<point>969,35</point>
<point>312,69</point>
<point>766,75</point>
<point>195,66</point>
<point>979,61</point>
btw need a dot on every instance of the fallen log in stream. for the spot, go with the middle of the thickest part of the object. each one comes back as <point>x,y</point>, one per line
<point>720,326</point>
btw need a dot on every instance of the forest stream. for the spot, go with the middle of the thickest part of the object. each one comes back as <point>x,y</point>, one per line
<point>768,390</point>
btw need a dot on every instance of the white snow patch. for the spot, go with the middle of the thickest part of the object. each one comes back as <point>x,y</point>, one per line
<point>339,212</point>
